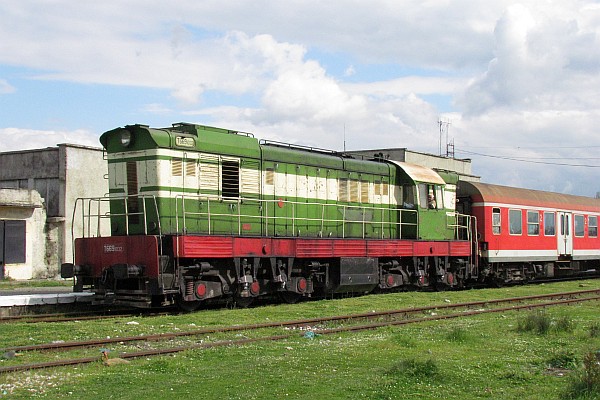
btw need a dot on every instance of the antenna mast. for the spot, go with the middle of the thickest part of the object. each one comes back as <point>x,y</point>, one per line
<point>444,125</point>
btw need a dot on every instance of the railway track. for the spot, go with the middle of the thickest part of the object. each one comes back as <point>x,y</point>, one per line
<point>345,323</point>
<point>81,316</point>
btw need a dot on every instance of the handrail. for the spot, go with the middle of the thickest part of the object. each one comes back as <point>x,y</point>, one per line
<point>93,214</point>
<point>87,204</point>
<point>182,215</point>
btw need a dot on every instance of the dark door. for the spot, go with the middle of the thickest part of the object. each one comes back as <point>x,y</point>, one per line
<point>1,249</point>
<point>12,244</point>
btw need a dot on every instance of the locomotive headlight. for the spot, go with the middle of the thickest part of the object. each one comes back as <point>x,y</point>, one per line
<point>126,138</point>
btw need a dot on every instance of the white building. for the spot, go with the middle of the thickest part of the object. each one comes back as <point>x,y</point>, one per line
<point>38,190</point>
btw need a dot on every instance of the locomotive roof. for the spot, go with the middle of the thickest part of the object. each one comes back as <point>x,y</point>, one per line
<point>419,173</point>
<point>488,193</point>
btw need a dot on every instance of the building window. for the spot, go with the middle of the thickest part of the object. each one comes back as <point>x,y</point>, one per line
<point>515,222</point>
<point>12,242</point>
<point>549,224</point>
<point>496,221</point>
<point>533,223</point>
<point>579,226</point>
<point>593,226</point>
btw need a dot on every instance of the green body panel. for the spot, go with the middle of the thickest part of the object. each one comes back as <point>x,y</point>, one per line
<point>434,225</point>
<point>449,177</point>
<point>305,211</point>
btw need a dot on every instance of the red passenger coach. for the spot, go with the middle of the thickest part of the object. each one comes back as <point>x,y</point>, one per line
<point>527,234</point>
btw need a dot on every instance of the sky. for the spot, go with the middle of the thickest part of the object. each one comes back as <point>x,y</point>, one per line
<point>515,85</point>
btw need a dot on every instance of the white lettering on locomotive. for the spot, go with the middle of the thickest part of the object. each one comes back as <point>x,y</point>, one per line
<point>111,248</point>
<point>184,141</point>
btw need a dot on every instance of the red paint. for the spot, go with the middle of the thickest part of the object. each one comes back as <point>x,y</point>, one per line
<point>302,285</point>
<point>229,247</point>
<point>431,249</point>
<point>255,288</point>
<point>201,290</point>
<point>103,252</point>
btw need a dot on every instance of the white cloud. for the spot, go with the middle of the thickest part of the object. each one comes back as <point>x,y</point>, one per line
<point>524,73</point>
<point>12,139</point>
<point>541,61</point>
<point>5,87</point>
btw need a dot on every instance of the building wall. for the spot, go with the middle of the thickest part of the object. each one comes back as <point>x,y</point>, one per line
<point>60,175</point>
<point>460,166</point>
<point>26,205</point>
<point>83,172</point>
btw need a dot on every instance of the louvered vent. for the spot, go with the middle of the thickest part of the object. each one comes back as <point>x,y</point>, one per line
<point>176,167</point>
<point>132,191</point>
<point>269,176</point>
<point>230,179</point>
<point>343,190</point>
<point>190,168</point>
<point>364,191</point>
<point>354,191</point>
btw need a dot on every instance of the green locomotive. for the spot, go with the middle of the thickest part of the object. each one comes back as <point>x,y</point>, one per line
<point>229,215</point>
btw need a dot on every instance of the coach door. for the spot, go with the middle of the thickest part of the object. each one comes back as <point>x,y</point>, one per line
<point>565,234</point>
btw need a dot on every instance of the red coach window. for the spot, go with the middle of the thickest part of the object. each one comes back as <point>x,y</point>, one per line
<point>496,221</point>
<point>579,226</point>
<point>533,223</point>
<point>549,224</point>
<point>515,222</point>
<point>593,226</point>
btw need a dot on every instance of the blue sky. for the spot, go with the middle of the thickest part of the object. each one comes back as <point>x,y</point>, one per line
<point>519,81</point>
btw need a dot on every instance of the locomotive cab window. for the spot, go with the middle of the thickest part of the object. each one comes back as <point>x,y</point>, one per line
<point>533,223</point>
<point>429,195</point>
<point>230,179</point>
<point>408,196</point>
<point>549,224</point>
<point>579,225</point>
<point>496,221</point>
<point>515,222</point>
<point>593,226</point>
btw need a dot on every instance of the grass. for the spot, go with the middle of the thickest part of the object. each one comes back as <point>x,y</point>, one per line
<point>478,357</point>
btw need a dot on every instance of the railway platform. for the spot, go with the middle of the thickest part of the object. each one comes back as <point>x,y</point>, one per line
<point>33,299</point>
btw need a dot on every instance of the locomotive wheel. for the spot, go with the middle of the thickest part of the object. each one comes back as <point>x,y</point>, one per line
<point>290,297</point>
<point>188,306</point>
<point>243,302</point>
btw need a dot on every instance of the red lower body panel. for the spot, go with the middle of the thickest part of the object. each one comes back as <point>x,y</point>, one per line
<point>101,252</point>
<point>227,247</point>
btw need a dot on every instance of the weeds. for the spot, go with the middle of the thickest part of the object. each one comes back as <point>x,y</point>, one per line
<point>458,335</point>
<point>537,322</point>
<point>565,324</point>
<point>595,330</point>
<point>541,324</point>
<point>415,368</point>
<point>585,384</point>
<point>563,360</point>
